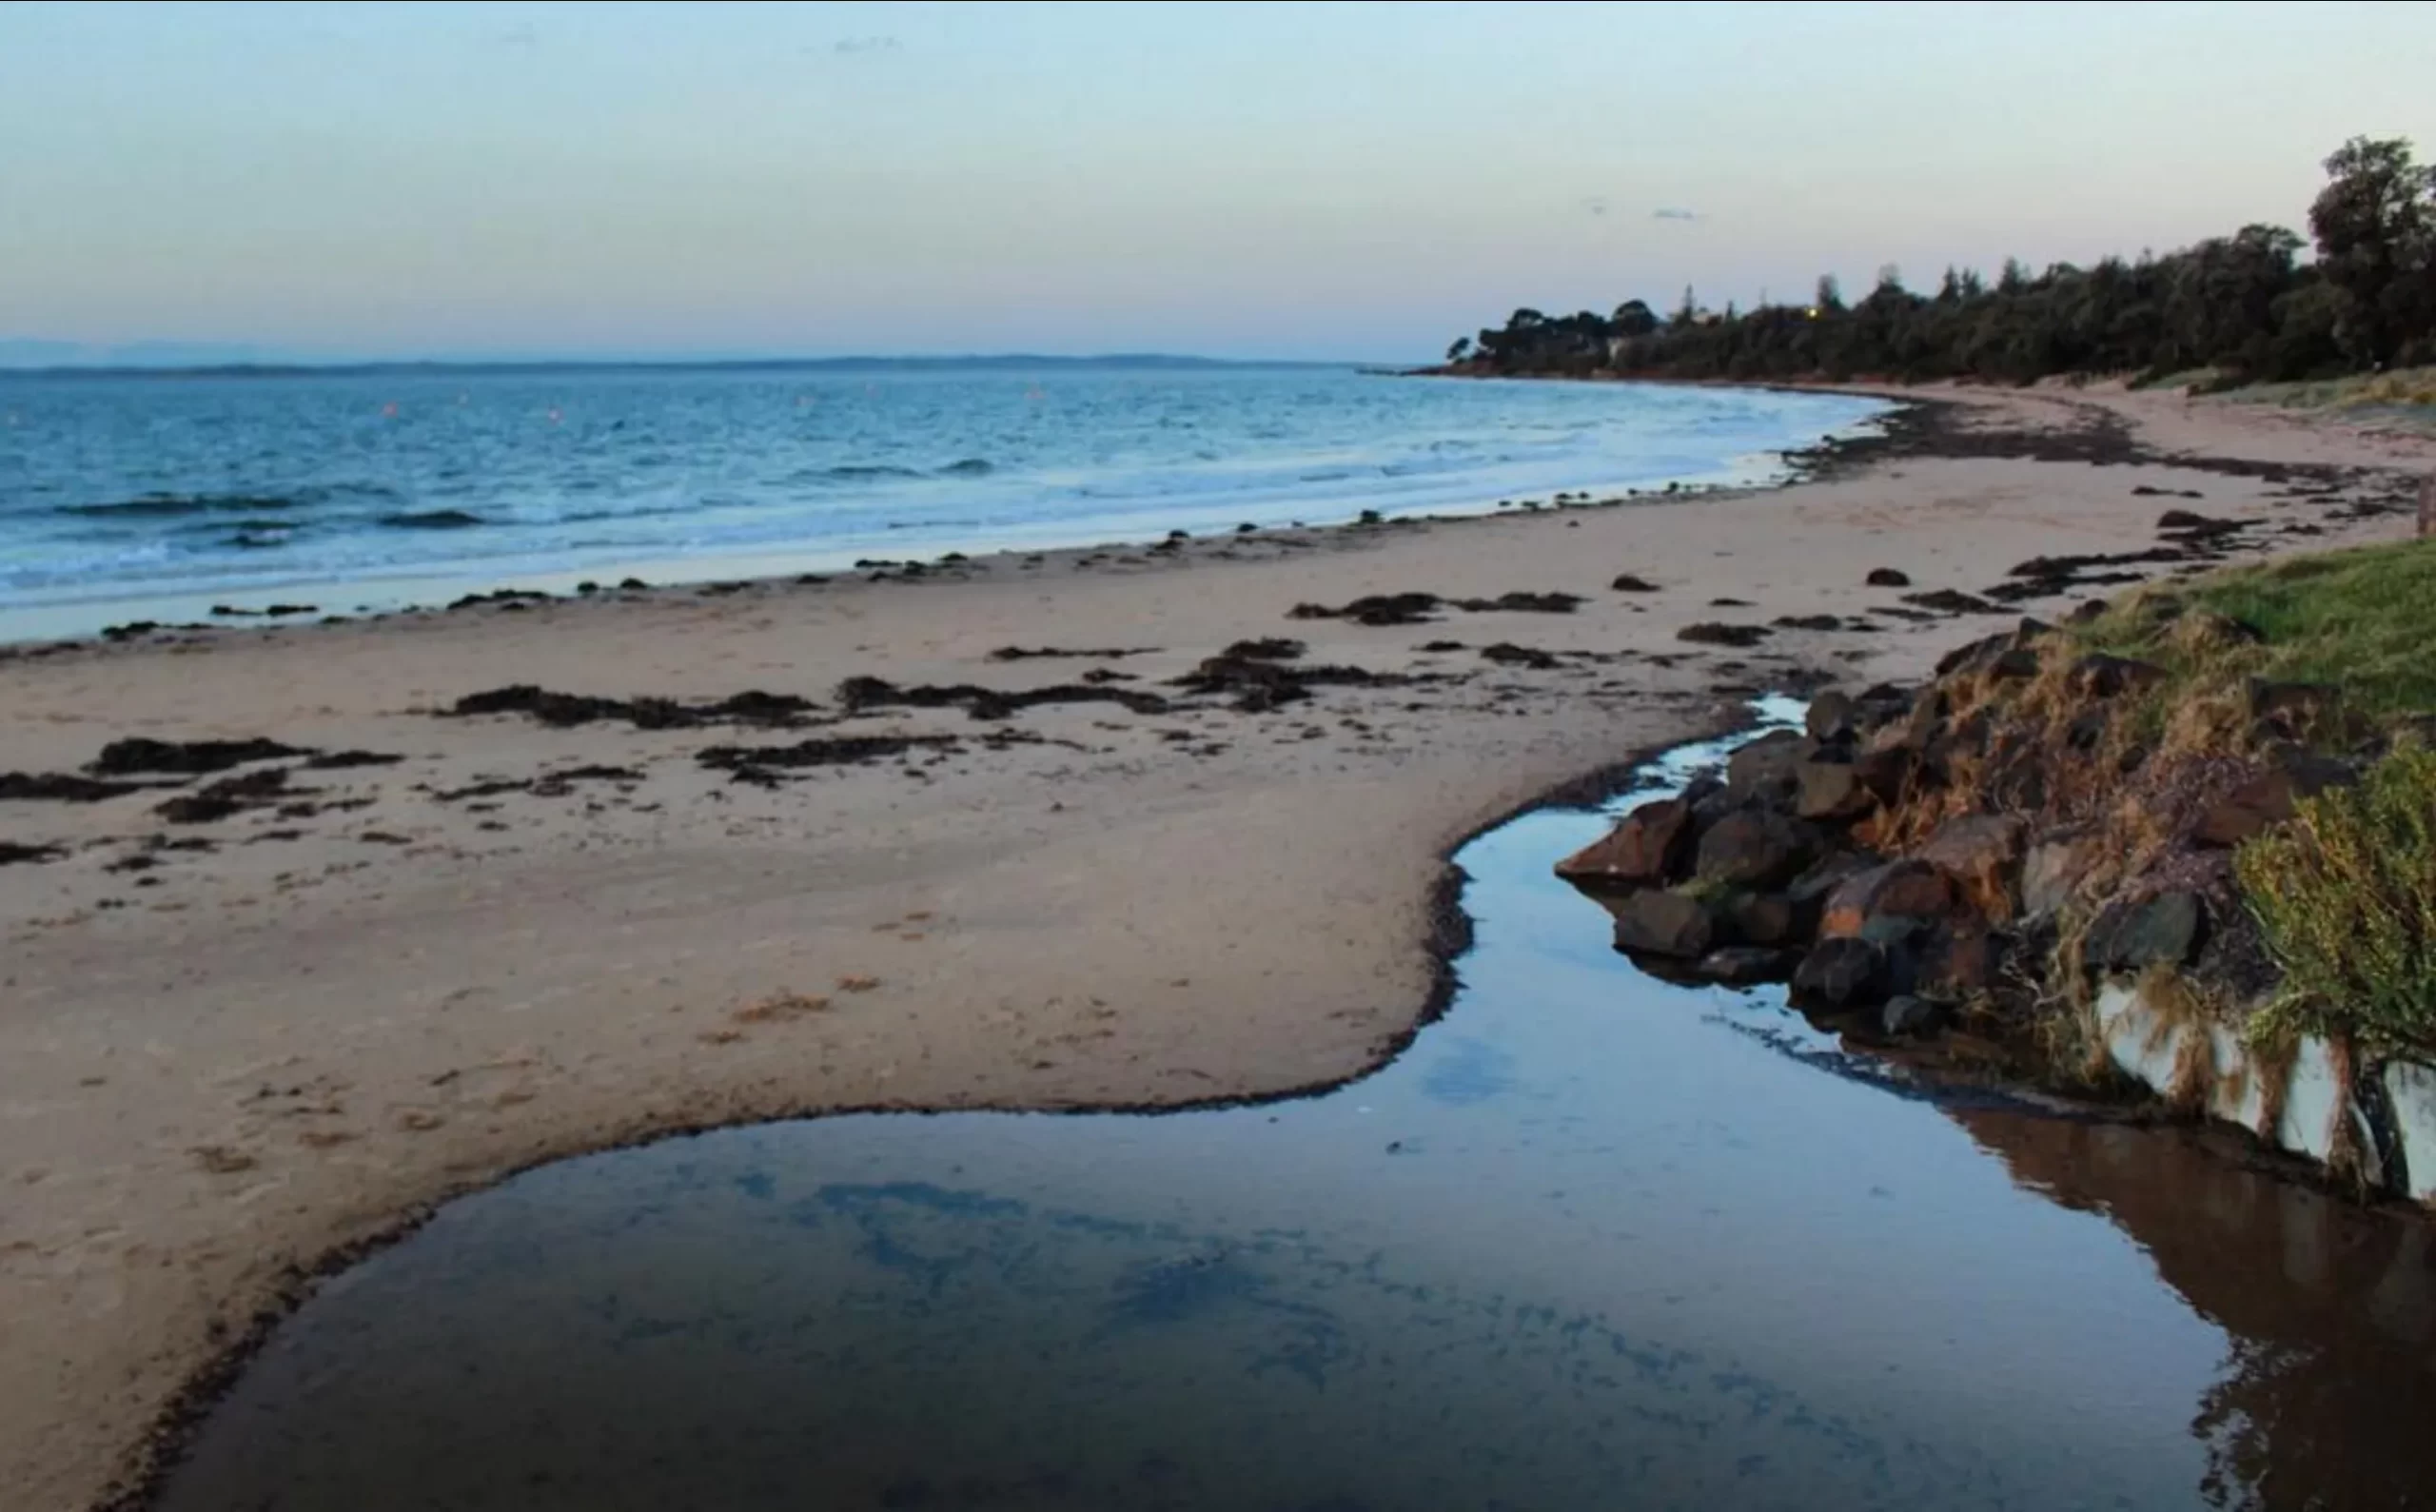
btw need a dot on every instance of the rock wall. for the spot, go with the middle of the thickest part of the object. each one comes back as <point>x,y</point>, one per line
<point>2028,856</point>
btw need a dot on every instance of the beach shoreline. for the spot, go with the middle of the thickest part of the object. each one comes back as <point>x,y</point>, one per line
<point>161,563</point>
<point>531,963</point>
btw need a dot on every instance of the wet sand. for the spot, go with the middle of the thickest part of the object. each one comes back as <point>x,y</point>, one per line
<point>285,1016</point>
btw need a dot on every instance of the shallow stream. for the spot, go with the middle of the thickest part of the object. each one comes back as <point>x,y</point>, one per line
<point>1591,1242</point>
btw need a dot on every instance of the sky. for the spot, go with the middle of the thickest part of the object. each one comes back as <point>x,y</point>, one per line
<point>1358,181</point>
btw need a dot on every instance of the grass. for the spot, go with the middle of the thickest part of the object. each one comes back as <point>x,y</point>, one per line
<point>2403,388</point>
<point>2345,896</point>
<point>2362,620</point>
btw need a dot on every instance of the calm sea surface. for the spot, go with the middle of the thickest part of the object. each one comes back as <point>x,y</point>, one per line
<point>162,496</point>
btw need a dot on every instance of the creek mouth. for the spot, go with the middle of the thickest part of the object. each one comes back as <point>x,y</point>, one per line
<point>1592,1240</point>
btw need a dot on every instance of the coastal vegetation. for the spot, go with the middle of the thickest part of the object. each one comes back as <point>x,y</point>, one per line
<point>2347,896</point>
<point>2235,309</point>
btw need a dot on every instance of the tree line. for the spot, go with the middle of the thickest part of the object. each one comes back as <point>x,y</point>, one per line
<point>2243,306</point>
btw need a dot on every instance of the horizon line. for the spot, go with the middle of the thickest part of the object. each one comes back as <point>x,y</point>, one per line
<point>515,364</point>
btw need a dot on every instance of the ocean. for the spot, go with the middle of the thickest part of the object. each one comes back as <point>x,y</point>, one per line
<point>163,496</point>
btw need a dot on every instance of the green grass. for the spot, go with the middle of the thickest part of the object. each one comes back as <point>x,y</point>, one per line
<point>2407,392</point>
<point>2346,897</point>
<point>2362,620</point>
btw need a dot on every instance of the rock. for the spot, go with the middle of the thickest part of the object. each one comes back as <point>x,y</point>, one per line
<point>2016,775</point>
<point>1742,965</point>
<point>1656,922</point>
<point>1809,892</point>
<point>1906,889</point>
<point>2291,709</point>
<point>1768,770</point>
<point>1831,717</point>
<point>2013,653</point>
<point>1909,1018</point>
<point>2049,872</point>
<point>1767,918</point>
<point>1754,848</point>
<point>1888,577</point>
<point>1883,772</point>
<point>2166,929</point>
<point>1831,790</point>
<point>2268,798</point>
<point>1652,843</point>
<point>1960,959</point>
<point>2014,665</point>
<point>1710,633</point>
<point>1841,973</point>
<point>1626,582</point>
<point>1982,853</point>
<point>2101,676</point>
<point>1968,738</point>
<point>2086,730</point>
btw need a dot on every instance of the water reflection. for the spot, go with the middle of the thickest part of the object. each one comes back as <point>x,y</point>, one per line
<point>1593,1242</point>
<point>2330,1310</point>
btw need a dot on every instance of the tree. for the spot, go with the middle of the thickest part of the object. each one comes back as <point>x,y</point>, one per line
<point>2241,304</point>
<point>2373,223</point>
<point>1462,349</point>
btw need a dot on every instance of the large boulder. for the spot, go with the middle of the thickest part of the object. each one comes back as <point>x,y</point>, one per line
<point>2101,676</point>
<point>1767,770</point>
<point>1831,791</point>
<point>1656,922</point>
<point>1982,853</point>
<point>2166,929</point>
<point>1754,848</point>
<point>1884,771</point>
<point>1957,960</point>
<point>1809,892</point>
<point>2052,870</point>
<point>1652,843</point>
<point>2293,710</point>
<point>1769,919</point>
<point>1906,889</point>
<point>1831,717</point>
<point>2269,798</point>
<point>2016,775</point>
<point>1839,974</point>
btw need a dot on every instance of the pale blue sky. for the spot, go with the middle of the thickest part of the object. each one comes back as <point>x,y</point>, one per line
<point>1362,181</point>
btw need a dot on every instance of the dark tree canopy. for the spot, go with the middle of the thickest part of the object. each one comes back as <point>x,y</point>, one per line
<point>2242,305</point>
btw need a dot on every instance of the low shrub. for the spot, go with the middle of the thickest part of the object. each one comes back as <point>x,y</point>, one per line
<point>2345,896</point>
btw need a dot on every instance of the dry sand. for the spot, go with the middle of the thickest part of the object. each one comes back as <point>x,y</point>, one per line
<point>221,1067</point>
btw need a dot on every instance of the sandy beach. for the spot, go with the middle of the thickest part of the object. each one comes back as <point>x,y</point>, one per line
<point>249,1024</point>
